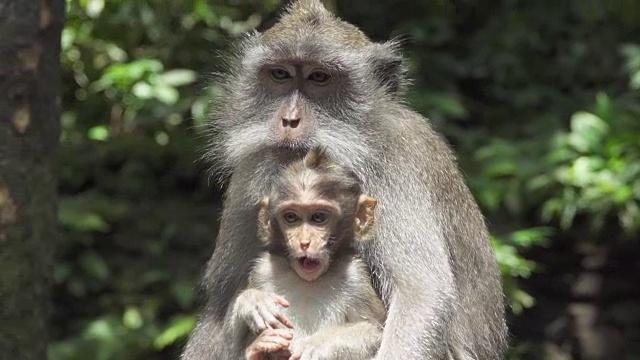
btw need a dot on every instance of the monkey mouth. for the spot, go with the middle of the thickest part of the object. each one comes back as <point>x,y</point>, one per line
<point>309,264</point>
<point>292,144</point>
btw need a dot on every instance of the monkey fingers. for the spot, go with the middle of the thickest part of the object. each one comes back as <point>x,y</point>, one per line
<point>262,310</point>
<point>281,301</point>
<point>269,341</point>
<point>269,315</point>
<point>283,354</point>
<point>279,314</point>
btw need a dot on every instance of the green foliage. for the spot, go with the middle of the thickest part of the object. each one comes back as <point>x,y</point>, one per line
<point>539,99</point>
<point>513,266</point>
<point>597,166</point>
<point>137,212</point>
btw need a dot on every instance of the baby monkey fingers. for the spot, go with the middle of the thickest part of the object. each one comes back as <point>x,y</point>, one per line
<point>262,310</point>
<point>271,341</point>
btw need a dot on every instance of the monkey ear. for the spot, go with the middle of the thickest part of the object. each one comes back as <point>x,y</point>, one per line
<point>389,67</point>
<point>365,216</point>
<point>264,223</point>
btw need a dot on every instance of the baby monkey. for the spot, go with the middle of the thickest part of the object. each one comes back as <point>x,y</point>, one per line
<point>309,296</point>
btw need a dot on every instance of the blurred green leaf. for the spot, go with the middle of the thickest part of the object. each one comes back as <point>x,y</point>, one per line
<point>178,327</point>
<point>448,104</point>
<point>178,77</point>
<point>587,131</point>
<point>143,90</point>
<point>132,318</point>
<point>100,133</point>
<point>69,215</point>
<point>183,294</point>
<point>166,94</point>
<point>94,265</point>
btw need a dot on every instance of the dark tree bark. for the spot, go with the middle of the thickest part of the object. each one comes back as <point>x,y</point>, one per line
<point>30,89</point>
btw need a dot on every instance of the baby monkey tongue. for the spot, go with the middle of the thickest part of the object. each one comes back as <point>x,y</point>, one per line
<point>309,264</point>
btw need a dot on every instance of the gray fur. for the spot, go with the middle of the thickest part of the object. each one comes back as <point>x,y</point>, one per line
<point>431,259</point>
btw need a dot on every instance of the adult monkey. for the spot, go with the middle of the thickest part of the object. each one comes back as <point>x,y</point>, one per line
<point>313,80</point>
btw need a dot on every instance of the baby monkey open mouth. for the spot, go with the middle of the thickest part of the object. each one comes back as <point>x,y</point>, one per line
<point>309,264</point>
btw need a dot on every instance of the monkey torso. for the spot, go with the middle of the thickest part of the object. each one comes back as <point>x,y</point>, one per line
<point>342,295</point>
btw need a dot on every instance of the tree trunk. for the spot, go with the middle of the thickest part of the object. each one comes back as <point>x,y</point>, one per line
<point>30,89</point>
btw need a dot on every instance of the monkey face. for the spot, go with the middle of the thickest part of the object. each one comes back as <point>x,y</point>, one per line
<point>314,80</point>
<point>297,88</point>
<point>314,209</point>
<point>308,230</point>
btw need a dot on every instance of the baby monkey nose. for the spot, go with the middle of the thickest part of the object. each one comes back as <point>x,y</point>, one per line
<point>292,123</point>
<point>304,245</point>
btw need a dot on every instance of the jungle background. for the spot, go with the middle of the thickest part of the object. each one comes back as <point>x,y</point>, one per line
<point>539,99</point>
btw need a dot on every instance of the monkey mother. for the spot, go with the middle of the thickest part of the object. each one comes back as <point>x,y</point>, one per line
<point>313,80</point>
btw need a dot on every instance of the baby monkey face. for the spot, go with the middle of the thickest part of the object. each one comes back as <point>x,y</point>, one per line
<point>309,229</point>
<point>315,211</point>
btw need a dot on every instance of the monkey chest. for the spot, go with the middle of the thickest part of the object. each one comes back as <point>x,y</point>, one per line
<point>313,307</point>
<point>314,311</point>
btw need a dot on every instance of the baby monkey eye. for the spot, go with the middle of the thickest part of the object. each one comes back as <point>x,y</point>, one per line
<point>280,74</point>
<point>320,77</point>
<point>319,217</point>
<point>290,217</point>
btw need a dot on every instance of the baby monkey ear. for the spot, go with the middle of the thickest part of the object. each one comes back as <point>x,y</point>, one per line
<point>365,216</point>
<point>264,231</point>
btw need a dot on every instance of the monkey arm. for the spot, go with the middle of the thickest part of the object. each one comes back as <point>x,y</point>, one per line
<point>210,340</point>
<point>416,328</point>
<point>416,275</point>
<point>227,338</point>
<point>354,341</point>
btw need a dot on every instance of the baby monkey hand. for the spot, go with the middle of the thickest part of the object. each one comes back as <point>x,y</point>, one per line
<point>262,310</point>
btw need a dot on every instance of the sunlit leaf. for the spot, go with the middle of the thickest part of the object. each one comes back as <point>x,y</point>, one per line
<point>179,327</point>
<point>143,90</point>
<point>101,329</point>
<point>132,318</point>
<point>166,94</point>
<point>531,236</point>
<point>587,131</point>
<point>94,7</point>
<point>521,300</point>
<point>100,133</point>
<point>178,77</point>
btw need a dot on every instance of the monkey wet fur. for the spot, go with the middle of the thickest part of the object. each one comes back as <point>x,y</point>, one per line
<point>309,225</point>
<point>312,81</point>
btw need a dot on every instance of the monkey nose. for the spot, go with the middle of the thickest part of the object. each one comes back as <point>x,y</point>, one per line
<point>304,245</point>
<point>292,123</point>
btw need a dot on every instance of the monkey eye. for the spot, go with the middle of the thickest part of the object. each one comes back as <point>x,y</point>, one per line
<point>319,217</point>
<point>319,77</point>
<point>280,74</point>
<point>290,217</point>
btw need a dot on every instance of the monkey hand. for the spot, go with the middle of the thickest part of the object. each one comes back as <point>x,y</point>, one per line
<point>314,348</point>
<point>270,344</point>
<point>262,310</point>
